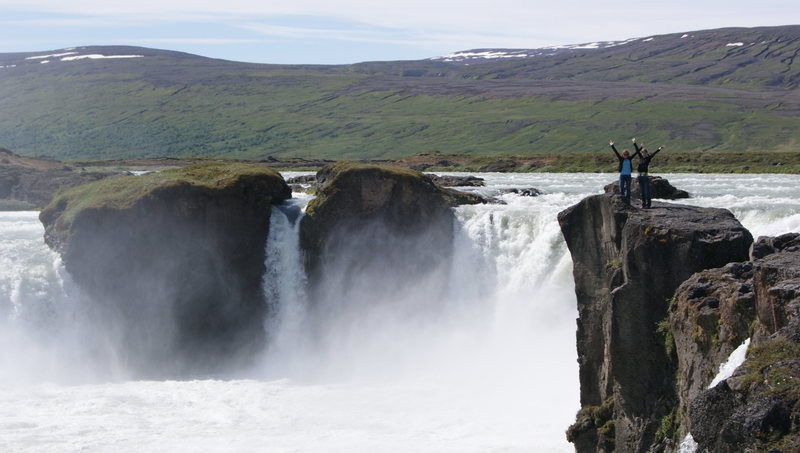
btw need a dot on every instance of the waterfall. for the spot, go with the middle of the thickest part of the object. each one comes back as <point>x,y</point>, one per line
<point>285,278</point>
<point>45,323</point>
<point>477,356</point>
<point>498,335</point>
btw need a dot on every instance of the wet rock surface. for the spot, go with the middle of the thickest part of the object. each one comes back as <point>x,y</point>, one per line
<point>386,206</point>
<point>173,261</point>
<point>627,263</point>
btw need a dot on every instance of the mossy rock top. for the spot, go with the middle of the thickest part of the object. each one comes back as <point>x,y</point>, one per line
<point>341,176</point>
<point>124,192</point>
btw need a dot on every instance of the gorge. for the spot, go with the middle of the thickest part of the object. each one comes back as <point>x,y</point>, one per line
<point>418,354</point>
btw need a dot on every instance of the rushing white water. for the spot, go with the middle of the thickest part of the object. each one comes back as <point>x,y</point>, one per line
<point>488,364</point>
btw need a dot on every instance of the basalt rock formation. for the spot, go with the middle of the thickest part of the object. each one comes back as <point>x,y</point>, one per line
<point>627,264</point>
<point>758,408</point>
<point>173,261</point>
<point>368,218</point>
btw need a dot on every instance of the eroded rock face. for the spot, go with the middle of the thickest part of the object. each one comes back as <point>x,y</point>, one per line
<point>627,263</point>
<point>172,262</point>
<point>710,316</point>
<point>377,240</point>
<point>381,205</point>
<point>766,245</point>
<point>758,409</point>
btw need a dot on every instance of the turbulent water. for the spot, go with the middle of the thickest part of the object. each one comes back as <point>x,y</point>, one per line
<point>488,365</point>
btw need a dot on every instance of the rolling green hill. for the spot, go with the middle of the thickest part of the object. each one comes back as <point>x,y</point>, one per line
<point>712,91</point>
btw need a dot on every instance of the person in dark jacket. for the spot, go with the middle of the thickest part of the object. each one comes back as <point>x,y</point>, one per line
<point>625,171</point>
<point>642,169</point>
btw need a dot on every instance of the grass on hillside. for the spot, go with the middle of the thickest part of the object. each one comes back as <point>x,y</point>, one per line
<point>317,115</point>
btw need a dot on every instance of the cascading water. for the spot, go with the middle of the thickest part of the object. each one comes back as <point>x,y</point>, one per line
<point>285,279</point>
<point>479,356</point>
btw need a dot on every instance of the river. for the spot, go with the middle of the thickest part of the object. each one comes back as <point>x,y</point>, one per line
<point>487,366</point>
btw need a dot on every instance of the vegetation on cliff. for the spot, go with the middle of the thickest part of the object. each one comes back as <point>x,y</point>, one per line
<point>122,192</point>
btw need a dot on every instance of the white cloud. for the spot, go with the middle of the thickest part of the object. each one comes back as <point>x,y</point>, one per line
<point>439,26</point>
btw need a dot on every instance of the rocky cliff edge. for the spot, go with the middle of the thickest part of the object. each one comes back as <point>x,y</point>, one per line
<point>627,264</point>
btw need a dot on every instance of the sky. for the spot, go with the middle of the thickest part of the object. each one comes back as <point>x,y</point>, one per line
<point>350,31</point>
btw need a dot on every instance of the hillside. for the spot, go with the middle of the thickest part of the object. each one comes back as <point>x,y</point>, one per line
<point>717,90</point>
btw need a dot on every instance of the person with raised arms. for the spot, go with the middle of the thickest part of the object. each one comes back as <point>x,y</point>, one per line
<point>625,171</point>
<point>642,169</point>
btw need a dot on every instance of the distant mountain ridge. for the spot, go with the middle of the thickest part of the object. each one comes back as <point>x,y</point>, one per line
<point>732,89</point>
<point>761,57</point>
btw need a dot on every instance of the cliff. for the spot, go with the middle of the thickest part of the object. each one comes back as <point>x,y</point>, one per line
<point>378,230</point>
<point>173,261</point>
<point>352,198</point>
<point>758,408</point>
<point>627,264</point>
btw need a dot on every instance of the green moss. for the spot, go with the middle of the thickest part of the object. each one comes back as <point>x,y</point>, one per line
<point>606,436</point>
<point>345,167</point>
<point>123,191</point>
<point>667,427</point>
<point>598,418</point>
<point>778,379</point>
<point>664,330</point>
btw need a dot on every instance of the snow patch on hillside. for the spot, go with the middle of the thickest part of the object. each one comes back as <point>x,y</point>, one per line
<point>495,54</point>
<point>98,56</point>
<point>54,55</point>
<point>73,55</point>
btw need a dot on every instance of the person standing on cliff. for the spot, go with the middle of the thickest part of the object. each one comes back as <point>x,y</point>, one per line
<point>625,171</point>
<point>642,169</point>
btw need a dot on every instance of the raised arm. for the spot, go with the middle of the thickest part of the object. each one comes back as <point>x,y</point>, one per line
<point>611,143</point>
<point>656,151</point>
<point>636,145</point>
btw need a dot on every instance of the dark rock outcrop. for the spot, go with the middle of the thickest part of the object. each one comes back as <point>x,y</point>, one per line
<point>500,165</point>
<point>32,183</point>
<point>710,316</point>
<point>305,179</point>
<point>758,408</point>
<point>527,192</point>
<point>627,264</point>
<point>767,245</point>
<point>457,181</point>
<point>368,220</point>
<point>173,261</point>
<point>659,188</point>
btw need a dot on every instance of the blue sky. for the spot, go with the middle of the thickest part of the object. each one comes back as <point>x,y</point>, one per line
<point>349,31</point>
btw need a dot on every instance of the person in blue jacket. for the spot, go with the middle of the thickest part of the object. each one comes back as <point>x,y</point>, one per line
<point>642,169</point>
<point>625,171</point>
